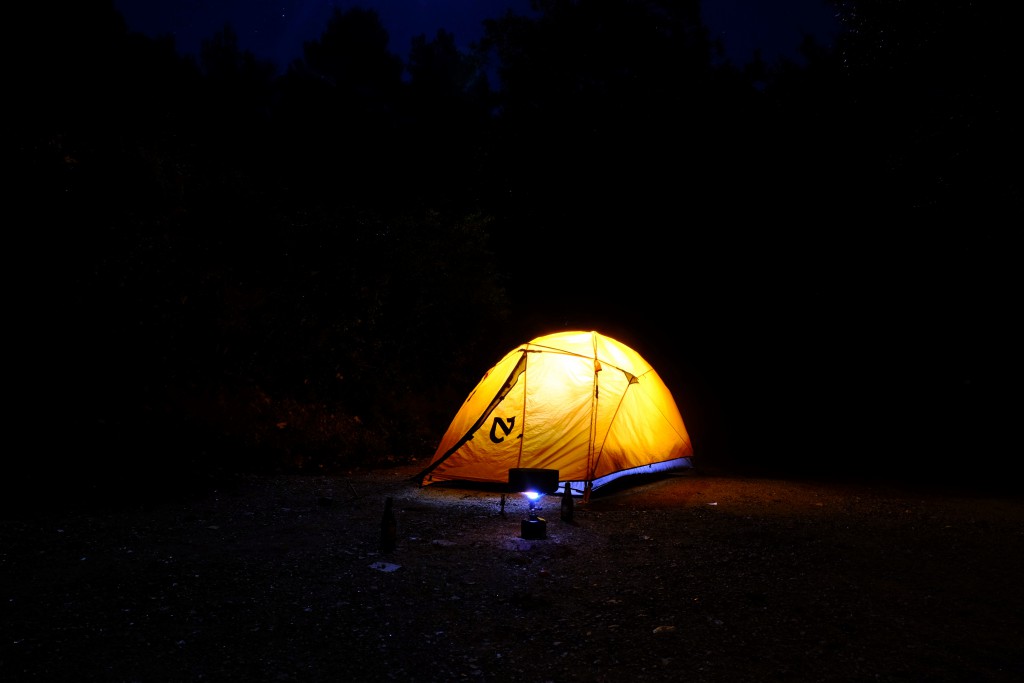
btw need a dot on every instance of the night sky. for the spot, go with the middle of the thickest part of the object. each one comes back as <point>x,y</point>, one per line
<point>275,29</point>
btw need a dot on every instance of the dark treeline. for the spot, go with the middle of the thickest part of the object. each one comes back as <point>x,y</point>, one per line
<point>221,265</point>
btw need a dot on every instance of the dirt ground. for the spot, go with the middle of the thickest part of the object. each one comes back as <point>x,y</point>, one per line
<point>693,577</point>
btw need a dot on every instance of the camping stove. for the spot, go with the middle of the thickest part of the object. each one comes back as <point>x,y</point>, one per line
<point>534,528</point>
<point>533,482</point>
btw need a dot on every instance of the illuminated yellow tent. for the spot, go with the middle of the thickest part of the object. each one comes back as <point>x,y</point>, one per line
<point>577,402</point>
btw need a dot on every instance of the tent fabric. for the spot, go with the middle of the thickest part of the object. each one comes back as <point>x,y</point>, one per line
<point>578,402</point>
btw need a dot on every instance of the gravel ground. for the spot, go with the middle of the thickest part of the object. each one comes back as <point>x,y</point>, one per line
<point>694,577</point>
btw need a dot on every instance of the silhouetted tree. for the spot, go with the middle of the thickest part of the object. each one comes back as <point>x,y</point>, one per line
<point>449,122</point>
<point>611,106</point>
<point>236,136</point>
<point>897,135</point>
<point>340,111</point>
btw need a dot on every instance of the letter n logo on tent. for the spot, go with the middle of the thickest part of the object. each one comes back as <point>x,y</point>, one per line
<point>506,428</point>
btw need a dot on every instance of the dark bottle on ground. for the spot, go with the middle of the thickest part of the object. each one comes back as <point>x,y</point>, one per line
<point>568,506</point>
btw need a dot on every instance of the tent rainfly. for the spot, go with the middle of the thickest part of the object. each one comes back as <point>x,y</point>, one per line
<point>577,402</point>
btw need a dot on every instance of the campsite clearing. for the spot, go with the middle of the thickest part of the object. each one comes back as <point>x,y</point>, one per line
<point>694,577</point>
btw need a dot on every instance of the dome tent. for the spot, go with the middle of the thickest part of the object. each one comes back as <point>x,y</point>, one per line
<point>578,402</point>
